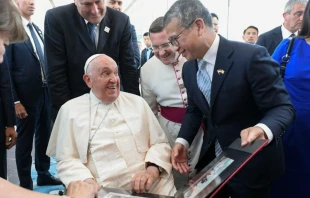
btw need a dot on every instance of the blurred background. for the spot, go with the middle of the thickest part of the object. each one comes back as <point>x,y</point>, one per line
<point>234,15</point>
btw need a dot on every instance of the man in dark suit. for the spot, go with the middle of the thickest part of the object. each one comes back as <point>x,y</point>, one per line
<point>236,89</point>
<point>118,5</point>
<point>7,118</point>
<point>77,31</point>
<point>32,103</point>
<point>147,52</point>
<point>293,13</point>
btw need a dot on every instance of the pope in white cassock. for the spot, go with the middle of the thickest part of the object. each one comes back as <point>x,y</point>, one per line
<point>110,138</point>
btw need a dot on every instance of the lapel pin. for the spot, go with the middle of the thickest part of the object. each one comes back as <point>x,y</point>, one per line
<point>107,29</point>
<point>220,71</point>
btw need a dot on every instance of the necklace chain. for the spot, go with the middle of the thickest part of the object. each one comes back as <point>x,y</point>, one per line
<point>91,138</point>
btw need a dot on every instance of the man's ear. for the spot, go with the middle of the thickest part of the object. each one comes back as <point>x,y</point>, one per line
<point>87,80</point>
<point>200,25</point>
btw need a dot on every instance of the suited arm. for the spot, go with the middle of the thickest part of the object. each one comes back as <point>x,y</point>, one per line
<point>6,94</point>
<point>57,64</point>
<point>269,93</point>
<point>135,46</point>
<point>9,64</point>
<point>127,61</point>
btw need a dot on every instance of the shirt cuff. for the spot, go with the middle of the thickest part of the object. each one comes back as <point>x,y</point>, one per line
<point>183,142</point>
<point>267,131</point>
<point>16,102</point>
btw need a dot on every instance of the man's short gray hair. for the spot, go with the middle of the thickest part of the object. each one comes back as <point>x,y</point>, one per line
<point>186,11</point>
<point>290,5</point>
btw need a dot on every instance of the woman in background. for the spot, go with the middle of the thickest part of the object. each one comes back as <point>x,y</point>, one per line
<point>296,140</point>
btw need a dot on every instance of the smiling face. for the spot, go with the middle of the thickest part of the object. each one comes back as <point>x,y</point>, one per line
<point>91,10</point>
<point>191,41</point>
<point>162,50</point>
<point>102,77</point>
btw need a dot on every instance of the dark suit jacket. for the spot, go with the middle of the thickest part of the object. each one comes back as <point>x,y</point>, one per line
<point>68,46</point>
<point>271,39</point>
<point>143,56</point>
<point>250,91</point>
<point>135,46</point>
<point>7,110</point>
<point>25,71</point>
<point>7,113</point>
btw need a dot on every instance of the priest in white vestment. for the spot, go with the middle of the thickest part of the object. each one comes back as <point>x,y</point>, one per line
<point>162,84</point>
<point>110,138</point>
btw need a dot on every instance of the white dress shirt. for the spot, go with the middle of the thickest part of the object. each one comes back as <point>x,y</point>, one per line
<point>286,33</point>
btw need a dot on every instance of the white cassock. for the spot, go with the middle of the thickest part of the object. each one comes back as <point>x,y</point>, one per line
<point>128,137</point>
<point>163,85</point>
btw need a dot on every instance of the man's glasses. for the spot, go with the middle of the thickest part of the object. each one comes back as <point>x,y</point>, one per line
<point>161,47</point>
<point>174,41</point>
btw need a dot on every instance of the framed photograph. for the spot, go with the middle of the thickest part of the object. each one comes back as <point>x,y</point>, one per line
<point>210,180</point>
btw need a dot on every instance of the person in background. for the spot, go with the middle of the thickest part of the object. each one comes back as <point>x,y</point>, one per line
<point>11,30</point>
<point>293,14</point>
<point>74,32</point>
<point>250,34</point>
<point>215,22</point>
<point>32,101</point>
<point>147,52</point>
<point>296,179</point>
<point>118,5</point>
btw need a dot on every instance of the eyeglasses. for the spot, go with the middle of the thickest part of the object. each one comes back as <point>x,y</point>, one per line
<point>161,47</point>
<point>174,41</point>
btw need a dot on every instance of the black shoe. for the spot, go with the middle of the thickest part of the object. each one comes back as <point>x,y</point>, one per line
<point>48,180</point>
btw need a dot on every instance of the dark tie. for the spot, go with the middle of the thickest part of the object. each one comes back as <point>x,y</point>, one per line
<point>91,31</point>
<point>292,35</point>
<point>36,43</point>
<point>39,51</point>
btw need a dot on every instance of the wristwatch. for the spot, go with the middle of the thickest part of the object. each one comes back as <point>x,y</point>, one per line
<point>160,169</point>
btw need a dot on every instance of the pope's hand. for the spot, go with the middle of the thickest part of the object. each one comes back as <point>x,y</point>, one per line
<point>143,181</point>
<point>179,158</point>
<point>79,189</point>
<point>91,181</point>
<point>250,134</point>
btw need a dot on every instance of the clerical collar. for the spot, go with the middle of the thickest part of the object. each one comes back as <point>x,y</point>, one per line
<point>97,100</point>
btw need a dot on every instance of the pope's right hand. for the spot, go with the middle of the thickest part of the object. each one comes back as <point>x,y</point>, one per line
<point>179,158</point>
<point>79,189</point>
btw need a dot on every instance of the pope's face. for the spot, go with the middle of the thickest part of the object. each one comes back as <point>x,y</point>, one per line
<point>103,79</point>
